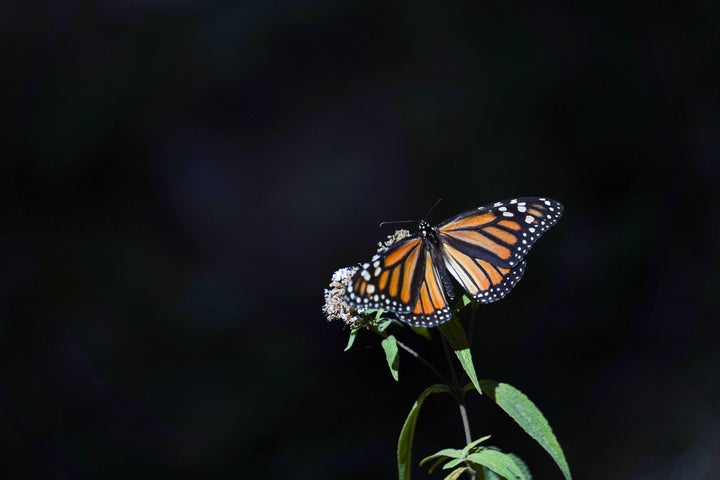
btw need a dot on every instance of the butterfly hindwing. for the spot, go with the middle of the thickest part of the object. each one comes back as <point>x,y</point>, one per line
<point>482,280</point>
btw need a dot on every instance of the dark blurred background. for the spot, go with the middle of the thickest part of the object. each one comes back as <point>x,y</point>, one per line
<point>181,179</point>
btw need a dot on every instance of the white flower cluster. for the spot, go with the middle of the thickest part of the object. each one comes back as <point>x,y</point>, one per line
<point>335,306</point>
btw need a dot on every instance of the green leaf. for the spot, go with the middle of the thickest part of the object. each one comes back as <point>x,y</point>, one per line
<point>490,475</point>
<point>382,323</point>
<point>455,474</point>
<point>522,465</point>
<point>455,335</point>
<point>435,464</point>
<point>453,463</point>
<point>389,344</point>
<point>423,332</point>
<point>447,453</point>
<point>351,339</point>
<point>528,416</point>
<point>473,444</point>
<point>444,453</point>
<point>499,462</point>
<point>404,450</point>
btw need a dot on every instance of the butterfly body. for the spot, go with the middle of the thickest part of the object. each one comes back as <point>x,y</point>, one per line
<point>482,249</point>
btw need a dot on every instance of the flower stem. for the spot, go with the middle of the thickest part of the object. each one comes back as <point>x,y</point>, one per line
<point>460,399</point>
<point>465,422</point>
<point>417,356</point>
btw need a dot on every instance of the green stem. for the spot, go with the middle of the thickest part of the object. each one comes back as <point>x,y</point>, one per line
<point>460,399</point>
<point>465,422</point>
<point>417,356</point>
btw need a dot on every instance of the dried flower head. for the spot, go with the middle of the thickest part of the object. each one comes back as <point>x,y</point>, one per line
<point>394,238</point>
<point>335,306</point>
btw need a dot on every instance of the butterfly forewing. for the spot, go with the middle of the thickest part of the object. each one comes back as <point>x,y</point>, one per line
<point>403,279</point>
<point>501,233</point>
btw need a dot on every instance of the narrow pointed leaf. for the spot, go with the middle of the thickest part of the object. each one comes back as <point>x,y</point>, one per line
<point>351,339</point>
<point>473,444</point>
<point>423,332</point>
<point>455,335</point>
<point>453,463</point>
<point>455,474</point>
<point>522,465</point>
<point>499,462</point>
<point>384,324</point>
<point>444,453</point>
<point>489,474</point>
<point>435,464</point>
<point>404,450</point>
<point>389,344</point>
<point>528,416</point>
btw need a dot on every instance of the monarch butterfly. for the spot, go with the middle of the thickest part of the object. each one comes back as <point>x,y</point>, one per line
<point>483,249</point>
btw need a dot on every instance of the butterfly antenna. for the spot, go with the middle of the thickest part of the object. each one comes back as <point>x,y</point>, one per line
<point>433,207</point>
<point>382,224</point>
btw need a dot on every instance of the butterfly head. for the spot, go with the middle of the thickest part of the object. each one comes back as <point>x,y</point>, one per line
<point>428,232</point>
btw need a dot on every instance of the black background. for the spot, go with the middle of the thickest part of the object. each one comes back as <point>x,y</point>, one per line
<point>182,178</point>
